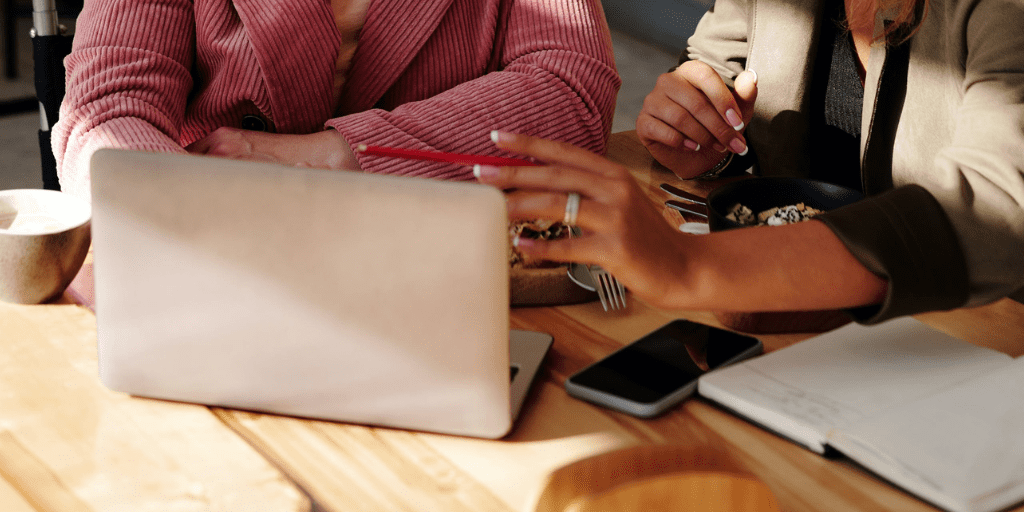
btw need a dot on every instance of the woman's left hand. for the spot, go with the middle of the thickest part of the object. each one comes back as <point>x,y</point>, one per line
<point>622,230</point>
<point>325,150</point>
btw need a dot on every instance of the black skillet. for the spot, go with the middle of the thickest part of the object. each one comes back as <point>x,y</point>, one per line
<point>760,194</point>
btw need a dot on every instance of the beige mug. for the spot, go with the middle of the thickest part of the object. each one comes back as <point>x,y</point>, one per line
<point>44,238</point>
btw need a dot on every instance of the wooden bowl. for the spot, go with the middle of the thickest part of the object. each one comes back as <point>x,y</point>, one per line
<point>694,491</point>
<point>655,477</point>
<point>545,287</point>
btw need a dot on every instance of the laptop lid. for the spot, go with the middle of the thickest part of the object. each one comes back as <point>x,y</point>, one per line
<point>337,295</point>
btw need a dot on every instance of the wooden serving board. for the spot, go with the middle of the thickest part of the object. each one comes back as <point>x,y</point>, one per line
<point>545,287</point>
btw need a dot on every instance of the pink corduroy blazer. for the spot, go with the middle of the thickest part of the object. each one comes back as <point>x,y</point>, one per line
<point>427,74</point>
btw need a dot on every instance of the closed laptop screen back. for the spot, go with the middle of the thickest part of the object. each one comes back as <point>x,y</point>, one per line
<point>335,295</point>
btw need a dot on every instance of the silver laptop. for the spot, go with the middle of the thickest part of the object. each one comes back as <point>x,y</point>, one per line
<point>344,296</point>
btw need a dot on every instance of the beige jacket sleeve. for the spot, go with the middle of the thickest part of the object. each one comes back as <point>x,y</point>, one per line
<point>720,39</point>
<point>978,176</point>
<point>948,230</point>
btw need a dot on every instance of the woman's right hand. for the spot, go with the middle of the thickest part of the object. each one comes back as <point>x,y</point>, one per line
<point>692,119</point>
<point>325,149</point>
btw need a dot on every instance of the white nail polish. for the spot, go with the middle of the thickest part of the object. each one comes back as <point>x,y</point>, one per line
<point>494,136</point>
<point>476,171</point>
<point>730,115</point>
<point>745,150</point>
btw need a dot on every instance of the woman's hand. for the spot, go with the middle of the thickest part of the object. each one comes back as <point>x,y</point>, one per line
<point>691,118</point>
<point>622,231</point>
<point>797,267</point>
<point>325,150</point>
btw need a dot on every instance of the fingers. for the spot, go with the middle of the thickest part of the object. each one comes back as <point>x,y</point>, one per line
<point>226,142</point>
<point>571,169</point>
<point>540,192</point>
<point>549,178</point>
<point>700,91</point>
<point>555,153</point>
<point>201,146</point>
<point>585,249</point>
<point>669,127</point>
<point>746,93</point>
<point>528,205</point>
<point>694,101</point>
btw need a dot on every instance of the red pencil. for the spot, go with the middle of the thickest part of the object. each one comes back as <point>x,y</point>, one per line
<point>438,156</point>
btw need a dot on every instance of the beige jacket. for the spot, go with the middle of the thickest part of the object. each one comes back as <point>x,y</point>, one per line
<point>945,112</point>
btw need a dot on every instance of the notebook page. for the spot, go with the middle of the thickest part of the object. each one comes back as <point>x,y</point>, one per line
<point>961,448</point>
<point>845,375</point>
<point>770,403</point>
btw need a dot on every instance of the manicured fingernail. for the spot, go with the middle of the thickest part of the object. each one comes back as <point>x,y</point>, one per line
<point>718,147</point>
<point>738,147</point>
<point>497,136</point>
<point>734,120</point>
<point>522,243</point>
<point>691,145</point>
<point>484,170</point>
<point>752,72</point>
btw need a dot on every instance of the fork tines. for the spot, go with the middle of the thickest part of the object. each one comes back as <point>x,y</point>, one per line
<point>609,290</point>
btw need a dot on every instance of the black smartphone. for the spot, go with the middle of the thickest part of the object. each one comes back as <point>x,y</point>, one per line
<point>656,372</point>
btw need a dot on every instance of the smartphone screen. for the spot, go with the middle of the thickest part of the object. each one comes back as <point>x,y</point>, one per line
<point>661,364</point>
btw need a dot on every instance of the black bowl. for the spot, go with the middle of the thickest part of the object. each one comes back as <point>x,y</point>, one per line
<point>760,194</point>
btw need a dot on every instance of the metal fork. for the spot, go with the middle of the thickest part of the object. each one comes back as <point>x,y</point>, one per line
<point>609,290</point>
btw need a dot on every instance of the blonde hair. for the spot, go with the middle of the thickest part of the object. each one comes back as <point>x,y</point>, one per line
<point>860,14</point>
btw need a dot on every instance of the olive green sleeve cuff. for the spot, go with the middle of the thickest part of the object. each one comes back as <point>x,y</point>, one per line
<point>904,237</point>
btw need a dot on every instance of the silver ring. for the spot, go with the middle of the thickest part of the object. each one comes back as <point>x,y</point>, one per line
<point>572,209</point>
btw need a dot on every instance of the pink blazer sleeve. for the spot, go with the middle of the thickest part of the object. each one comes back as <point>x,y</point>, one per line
<point>127,84</point>
<point>556,79</point>
<point>138,79</point>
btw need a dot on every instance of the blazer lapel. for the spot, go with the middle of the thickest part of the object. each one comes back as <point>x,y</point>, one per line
<point>296,45</point>
<point>872,80</point>
<point>393,34</point>
<point>783,45</point>
<point>885,88</point>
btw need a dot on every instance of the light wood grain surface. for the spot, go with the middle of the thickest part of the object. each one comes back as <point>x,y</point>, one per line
<point>69,444</point>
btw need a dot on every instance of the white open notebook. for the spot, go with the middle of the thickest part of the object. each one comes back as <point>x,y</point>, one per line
<point>337,295</point>
<point>940,417</point>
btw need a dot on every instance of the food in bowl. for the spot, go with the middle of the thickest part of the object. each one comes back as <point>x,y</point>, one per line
<point>776,216</point>
<point>536,282</point>
<point>538,230</point>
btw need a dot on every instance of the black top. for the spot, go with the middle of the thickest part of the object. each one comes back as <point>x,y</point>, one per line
<point>837,97</point>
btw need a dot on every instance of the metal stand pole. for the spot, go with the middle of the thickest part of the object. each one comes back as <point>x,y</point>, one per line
<point>49,46</point>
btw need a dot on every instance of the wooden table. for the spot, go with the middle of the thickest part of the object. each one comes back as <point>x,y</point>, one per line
<point>69,444</point>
